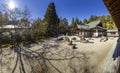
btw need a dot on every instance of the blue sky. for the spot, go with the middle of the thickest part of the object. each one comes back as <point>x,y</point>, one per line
<point>65,8</point>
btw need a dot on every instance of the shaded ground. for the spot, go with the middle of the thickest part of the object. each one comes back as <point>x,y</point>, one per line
<point>57,57</point>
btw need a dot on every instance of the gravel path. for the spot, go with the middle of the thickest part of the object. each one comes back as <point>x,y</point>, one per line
<point>109,65</point>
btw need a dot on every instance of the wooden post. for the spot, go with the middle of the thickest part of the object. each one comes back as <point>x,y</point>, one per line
<point>118,68</point>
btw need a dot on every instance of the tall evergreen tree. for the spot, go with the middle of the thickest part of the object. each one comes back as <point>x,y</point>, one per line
<point>76,21</point>
<point>81,23</point>
<point>51,18</point>
<point>85,21</point>
<point>72,23</point>
<point>63,26</point>
<point>92,18</point>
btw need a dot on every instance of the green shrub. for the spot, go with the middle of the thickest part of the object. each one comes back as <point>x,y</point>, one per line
<point>4,39</point>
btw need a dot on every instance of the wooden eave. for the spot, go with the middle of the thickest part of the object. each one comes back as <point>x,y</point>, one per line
<point>114,8</point>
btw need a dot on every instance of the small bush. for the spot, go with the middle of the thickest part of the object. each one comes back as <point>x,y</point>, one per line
<point>4,39</point>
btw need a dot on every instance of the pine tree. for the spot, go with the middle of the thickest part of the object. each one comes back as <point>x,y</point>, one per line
<point>63,26</point>
<point>72,23</point>
<point>85,21</point>
<point>51,18</point>
<point>81,23</point>
<point>76,21</point>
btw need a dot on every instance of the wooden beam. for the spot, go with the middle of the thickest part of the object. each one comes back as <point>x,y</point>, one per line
<point>116,12</point>
<point>109,2</point>
<point>114,4</point>
<point>117,7</point>
<point>114,9</point>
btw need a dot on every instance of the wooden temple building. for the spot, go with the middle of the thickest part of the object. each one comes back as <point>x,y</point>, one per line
<point>112,33</point>
<point>93,29</point>
<point>114,8</point>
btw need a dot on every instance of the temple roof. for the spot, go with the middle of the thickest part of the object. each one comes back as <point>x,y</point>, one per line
<point>94,24</point>
<point>91,25</point>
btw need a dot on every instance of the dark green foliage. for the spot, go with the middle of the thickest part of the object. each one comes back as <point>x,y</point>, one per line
<point>52,20</point>
<point>39,29</point>
<point>85,21</point>
<point>76,21</point>
<point>92,18</point>
<point>80,23</point>
<point>73,25</point>
<point>16,39</point>
<point>3,39</point>
<point>63,26</point>
<point>27,37</point>
<point>11,39</point>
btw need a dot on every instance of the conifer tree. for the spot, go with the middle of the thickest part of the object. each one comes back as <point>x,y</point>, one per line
<point>51,18</point>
